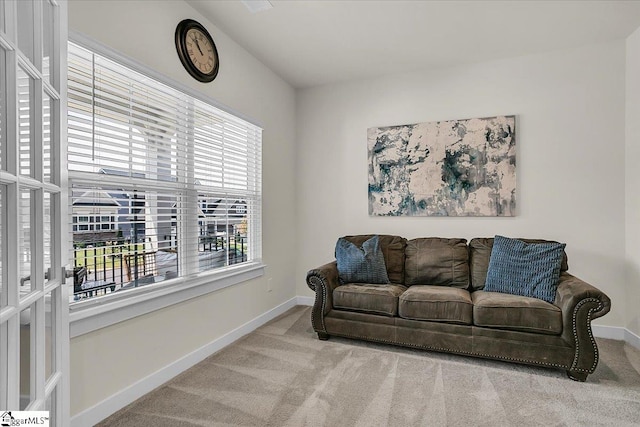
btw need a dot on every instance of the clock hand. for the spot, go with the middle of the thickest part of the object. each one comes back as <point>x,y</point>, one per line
<point>198,46</point>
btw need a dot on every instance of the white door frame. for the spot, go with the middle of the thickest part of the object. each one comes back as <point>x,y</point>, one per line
<point>34,304</point>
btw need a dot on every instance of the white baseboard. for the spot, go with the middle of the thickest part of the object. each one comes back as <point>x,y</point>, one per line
<point>114,403</point>
<point>305,300</point>
<point>616,333</point>
<point>610,332</point>
<point>632,339</point>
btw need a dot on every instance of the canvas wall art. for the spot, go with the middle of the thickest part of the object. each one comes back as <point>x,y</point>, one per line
<point>447,168</point>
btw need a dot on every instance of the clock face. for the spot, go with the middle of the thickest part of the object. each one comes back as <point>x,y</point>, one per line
<point>200,51</point>
<point>197,51</point>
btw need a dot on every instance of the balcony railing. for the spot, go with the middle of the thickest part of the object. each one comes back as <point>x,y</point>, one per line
<point>103,267</point>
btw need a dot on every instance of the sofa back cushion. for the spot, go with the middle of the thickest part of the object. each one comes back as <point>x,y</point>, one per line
<point>436,261</point>
<point>480,254</point>
<point>393,251</point>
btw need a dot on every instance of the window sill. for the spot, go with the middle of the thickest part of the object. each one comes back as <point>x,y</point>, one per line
<point>100,312</point>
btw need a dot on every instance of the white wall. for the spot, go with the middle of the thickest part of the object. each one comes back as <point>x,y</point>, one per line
<point>570,108</point>
<point>571,145</point>
<point>633,182</point>
<point>106,361</point>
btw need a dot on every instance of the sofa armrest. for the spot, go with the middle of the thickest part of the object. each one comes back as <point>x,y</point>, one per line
<point>323,280</point>
<point>580,303</point>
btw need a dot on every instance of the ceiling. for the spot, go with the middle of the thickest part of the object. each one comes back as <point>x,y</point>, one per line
<point>311,43</point>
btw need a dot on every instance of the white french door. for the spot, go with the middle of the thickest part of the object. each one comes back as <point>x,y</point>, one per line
<point>34,326</point>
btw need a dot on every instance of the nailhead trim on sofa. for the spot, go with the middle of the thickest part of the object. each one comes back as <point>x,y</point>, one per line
<point>447,350</point>
<point>572,367</point>
<point>312,282</point>
<point>575,334</point>
<point>315,281</point>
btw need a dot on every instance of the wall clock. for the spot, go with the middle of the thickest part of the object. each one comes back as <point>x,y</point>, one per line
<point>197,51</point>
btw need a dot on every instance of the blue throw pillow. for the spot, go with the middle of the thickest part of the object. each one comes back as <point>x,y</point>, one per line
<point>527,269</point>
<point>361,265</point>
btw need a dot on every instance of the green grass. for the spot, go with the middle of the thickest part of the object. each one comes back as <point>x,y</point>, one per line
<point>110,257</point>
<point>104,257</point>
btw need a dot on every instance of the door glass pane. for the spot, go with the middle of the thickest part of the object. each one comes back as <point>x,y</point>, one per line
<point>3,109</point>
<point>25,28</point>
<point>50,333</point>
<point>50,405</point>
<point>47,30</point>
<point>26,332</point>
<point>3,13</point>
<point>25,89</point>
<point>4,364</point>
<point>46,137</point>
<point>24,239</point>
<point>3,290</point>
<point>47,228</point>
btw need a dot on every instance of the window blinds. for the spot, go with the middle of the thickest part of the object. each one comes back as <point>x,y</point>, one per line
<point>173,175</point>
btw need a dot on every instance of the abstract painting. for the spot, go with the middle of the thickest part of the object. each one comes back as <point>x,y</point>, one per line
<point>447,168</point>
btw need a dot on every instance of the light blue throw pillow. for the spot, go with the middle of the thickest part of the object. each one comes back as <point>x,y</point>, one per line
<point>361,265</point>
<point>527,269</point>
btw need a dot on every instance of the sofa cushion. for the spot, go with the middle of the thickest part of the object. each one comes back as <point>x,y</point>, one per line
<point>436,261</point>
<point>392,250</point>
<point>369,298</point>
<point>514,312</point>
<point>361,265</point>
<point>526,269</point>
<point>436,304</point>
<point>480,254</point>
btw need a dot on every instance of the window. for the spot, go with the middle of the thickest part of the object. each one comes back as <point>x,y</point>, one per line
<point>163,185</point>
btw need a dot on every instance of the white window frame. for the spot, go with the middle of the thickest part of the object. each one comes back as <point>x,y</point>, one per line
<point>96,313</point>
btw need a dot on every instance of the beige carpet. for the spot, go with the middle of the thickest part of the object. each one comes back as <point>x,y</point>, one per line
<point>282,375</point>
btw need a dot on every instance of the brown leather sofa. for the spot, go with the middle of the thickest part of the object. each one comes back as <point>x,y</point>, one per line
<point>435,302</point>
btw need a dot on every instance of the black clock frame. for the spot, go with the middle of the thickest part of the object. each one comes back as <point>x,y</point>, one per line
<point>181,47</point>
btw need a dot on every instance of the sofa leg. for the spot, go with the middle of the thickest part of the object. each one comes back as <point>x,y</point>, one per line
<point>323,336</point>
<point>577,376</point>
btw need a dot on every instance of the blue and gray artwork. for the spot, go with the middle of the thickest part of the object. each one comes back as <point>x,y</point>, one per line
<point>447,168</point>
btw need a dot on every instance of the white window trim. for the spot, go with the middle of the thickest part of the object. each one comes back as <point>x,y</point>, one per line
<point>100,312</point>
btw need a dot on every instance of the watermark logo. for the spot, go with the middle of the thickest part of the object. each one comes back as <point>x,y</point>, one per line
<point>24,418</point>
